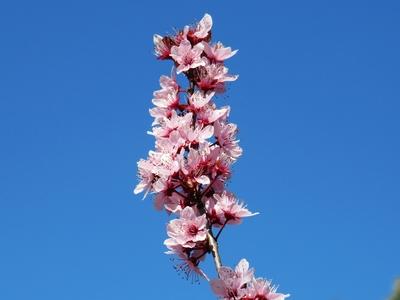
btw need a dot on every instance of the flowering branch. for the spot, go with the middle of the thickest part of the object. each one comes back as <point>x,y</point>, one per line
<point>195,148</point>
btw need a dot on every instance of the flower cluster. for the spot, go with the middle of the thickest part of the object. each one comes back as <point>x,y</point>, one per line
<point>195,148</point>
<point>240,284</point>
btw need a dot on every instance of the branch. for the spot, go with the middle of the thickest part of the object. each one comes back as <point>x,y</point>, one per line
<point>210,237</point>
<point>220,231</point>
<point>214,250</point>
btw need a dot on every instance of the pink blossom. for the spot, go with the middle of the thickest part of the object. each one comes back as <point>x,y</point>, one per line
<point>196,135</point>
<point>213,77</point>
<point>171,144</point>
<point>166,99</point>
<point>164,164</point>
<point>261,289</point>
<point>196,164</point>
<point>188,230</point>
<point>202,31</point>
<point>168,125</point>
<point>159,113</point>
<point>146,177</point>
<point>209,115</point>
<point>240,284</point>
<point>228,210</point>
<point>206,111</point>
<point>217,52</point>
<point>162,46</point>
<point>222,164</point>
<point>226,137</point>
<point>176,134</point>
<point>169,83</point>
<point>201,104</point>
<point>230,284</point>
<point>167,96</point>
<point>243,270</point>
<point>172,202</point>
<point>203,27</point>
<point>188,261</point>
<point>155,171</point>
<point>199,99</point>
<point>186,56</point>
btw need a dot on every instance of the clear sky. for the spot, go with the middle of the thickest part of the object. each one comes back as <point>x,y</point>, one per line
<point>317,104</point>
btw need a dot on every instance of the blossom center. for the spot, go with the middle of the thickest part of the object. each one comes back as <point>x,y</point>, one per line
<point>188,60</point>
<point>193,230</point>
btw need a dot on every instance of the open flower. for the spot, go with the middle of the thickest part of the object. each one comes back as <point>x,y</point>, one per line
<point>187,263</point>
<point>261,289</point>
<point>167,96</point>
<point>203,27</point>
<point>187,57</point>
<point>240,284</point>
<point>168,125</point>
<point>146,176</point>
<point>188,230</point>
<point>230,283</point>
<point>162,46</point>
<point>212,77</point>
<point>217,52</point>
<point>226,137</point>
<point>228,210</point>
<point>199,99</point>
<point>155,172</point>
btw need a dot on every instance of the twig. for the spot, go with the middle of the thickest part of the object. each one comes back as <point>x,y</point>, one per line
<point>220,231</point>
<point>215,252</point>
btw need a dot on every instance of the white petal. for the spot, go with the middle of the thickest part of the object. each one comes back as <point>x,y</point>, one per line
<point>203,179</point>
<point>157,39</point>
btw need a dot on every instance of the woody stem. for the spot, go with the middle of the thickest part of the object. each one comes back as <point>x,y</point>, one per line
<point>211,240</point>
<point>214,251</point>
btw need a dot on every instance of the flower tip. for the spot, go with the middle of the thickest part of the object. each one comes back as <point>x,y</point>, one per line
<point>137,189</point>
<point>157,38</point>
<point>140,188</point>
<point>207,17</point>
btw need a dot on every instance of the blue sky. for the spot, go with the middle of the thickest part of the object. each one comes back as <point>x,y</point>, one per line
<point>317,104</point>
